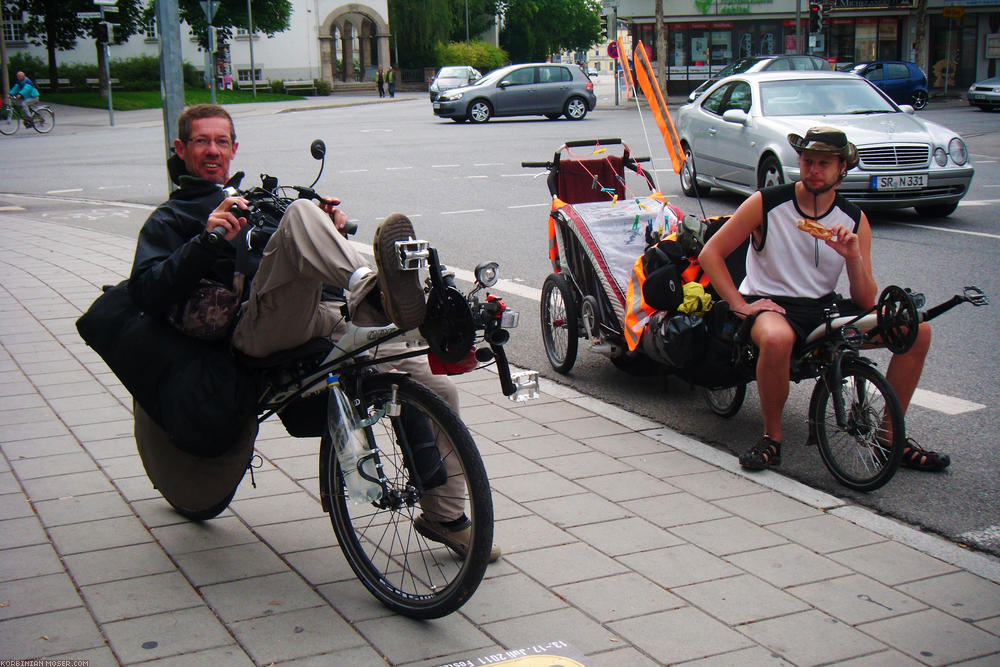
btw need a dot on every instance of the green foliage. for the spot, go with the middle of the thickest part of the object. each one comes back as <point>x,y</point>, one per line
<point>536,29</point>
<point>129,100</point>
<point>32,66</point>
<point>418,27</point>
<point>481,55</point>
<point>322,87</point>
<point>269,17</point>
<point>481,15</point>
<point>138,73</point>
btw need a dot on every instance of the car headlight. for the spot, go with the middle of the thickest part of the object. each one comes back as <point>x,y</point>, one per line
<point>451,97</point>
<point>940,156</point>
<point>958,151</point>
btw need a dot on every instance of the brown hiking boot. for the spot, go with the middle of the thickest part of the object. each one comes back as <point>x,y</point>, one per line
<point>402,295</point>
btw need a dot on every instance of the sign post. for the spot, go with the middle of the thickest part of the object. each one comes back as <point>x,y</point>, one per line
<point>210,7</point>
<point>107,7</point>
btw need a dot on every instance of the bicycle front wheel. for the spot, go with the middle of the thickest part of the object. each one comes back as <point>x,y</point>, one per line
<point>43,120</point>
<point>9,121</point>
<point>862,453</point>
<point>404,570</point>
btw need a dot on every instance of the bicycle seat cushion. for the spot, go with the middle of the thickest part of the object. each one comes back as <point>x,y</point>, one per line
<point>315,348</point>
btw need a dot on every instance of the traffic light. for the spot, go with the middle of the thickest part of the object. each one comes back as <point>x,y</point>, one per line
<point>604,27</point>
<point>815,17</point>
<point>103,33</point>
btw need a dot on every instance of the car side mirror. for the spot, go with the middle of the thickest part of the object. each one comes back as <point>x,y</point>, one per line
<point>906,108</point>
<point>504,83</point>
<point>738,116</point>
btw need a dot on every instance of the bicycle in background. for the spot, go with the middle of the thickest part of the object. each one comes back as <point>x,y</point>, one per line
<point>41,120</point>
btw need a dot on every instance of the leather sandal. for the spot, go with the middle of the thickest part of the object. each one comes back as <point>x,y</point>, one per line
<point>765,453</point>
<point>923,459</point>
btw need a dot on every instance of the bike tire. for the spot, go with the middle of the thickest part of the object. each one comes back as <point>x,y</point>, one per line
<point>403,570</point>
<point>10,122</point>
<point>725,402</point>
<point>43,120</point>
<point>560,318</point>
<point>855,454</point>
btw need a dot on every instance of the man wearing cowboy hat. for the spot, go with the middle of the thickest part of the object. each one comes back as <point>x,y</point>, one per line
<point>791,278</point>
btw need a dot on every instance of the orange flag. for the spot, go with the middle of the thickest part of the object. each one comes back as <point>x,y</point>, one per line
<point>651,89</point>
<point>623,61</point>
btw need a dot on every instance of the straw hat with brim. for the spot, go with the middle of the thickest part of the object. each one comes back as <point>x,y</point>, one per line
<point>826,140</point>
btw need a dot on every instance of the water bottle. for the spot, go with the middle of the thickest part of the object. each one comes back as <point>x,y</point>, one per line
<point>351,446</point>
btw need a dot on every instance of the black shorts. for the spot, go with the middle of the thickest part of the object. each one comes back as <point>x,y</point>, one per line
<point>805,313</point>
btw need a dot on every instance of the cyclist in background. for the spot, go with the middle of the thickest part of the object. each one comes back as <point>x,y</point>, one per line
<point>24,94</point>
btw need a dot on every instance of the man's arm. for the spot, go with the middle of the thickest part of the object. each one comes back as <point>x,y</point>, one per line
<point>856,251</point>
<point>747,218</point>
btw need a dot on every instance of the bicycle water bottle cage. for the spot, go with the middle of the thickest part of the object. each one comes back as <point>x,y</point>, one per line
<point>412,254</point>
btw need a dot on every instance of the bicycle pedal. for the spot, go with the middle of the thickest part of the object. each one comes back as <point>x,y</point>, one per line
<point>527,386</point>
<point>413,254</point>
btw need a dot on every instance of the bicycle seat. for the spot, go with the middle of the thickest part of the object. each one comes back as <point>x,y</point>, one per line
<point>315,348</point>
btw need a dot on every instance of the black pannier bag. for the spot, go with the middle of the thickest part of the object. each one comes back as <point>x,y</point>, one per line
<point>194,390</point>
<point>722,362</point>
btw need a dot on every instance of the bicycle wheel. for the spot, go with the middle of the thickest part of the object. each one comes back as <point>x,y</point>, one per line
<point>857,453</point>
<point>9,121</point>
<point>725,402</point>
<point>405,571</point>
<point>560,322</point>
<point>43,120</point>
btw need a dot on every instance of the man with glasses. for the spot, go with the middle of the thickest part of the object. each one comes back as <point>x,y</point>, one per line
<point>284,306</point>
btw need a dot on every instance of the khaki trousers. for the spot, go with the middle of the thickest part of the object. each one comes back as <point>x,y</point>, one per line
<point>285,310</point>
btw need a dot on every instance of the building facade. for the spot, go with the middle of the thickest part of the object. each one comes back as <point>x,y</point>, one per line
<point>329,40</point>
<point>705,35</point>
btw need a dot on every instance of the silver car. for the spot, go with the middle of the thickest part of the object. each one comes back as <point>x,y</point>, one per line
<point>735,138</point>
<point>985,94</point>
<point>545,89</point>
<point>453,76</point>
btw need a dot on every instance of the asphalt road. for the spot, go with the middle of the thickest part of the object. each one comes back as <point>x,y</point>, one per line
<point>465,190</point>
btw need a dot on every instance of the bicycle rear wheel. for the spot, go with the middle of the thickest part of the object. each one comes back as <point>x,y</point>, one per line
<point>43,120</point>
<point>9,121</point>
<point>861,454</point>
<point>402,569</point>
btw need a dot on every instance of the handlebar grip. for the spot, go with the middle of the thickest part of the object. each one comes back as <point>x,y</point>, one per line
<point>349,229</point>
<point>503,370</point>
<point>216,235</point>
<point>592,142</point>
<point>239,212</point>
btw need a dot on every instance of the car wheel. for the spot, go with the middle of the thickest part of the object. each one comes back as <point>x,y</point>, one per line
<point>919,100</point>
<point>689,177</point>
<point>552,116</point>
<point>770,173</point>
<point>480,111</point>
<point>575,108</point>
<point>936,210</point>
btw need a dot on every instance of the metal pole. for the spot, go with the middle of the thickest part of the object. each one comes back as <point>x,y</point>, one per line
<point>107,75</point>
<point>947,59</point>
<point>798,27</point>
<point>253,70</point>
<point>171,72</point>
<point>466,20</point>
<point>211,60</point>
<point>5,82</point>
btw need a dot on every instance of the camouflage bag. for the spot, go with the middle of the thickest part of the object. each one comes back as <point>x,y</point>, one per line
<point>209,313</point>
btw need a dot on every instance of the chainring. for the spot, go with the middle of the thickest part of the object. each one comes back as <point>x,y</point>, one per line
<point>898,319</point>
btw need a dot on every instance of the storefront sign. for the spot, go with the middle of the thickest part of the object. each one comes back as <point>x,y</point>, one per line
<point>704,7</point>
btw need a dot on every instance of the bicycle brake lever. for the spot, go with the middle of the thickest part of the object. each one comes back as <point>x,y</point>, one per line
<point>975,296</point>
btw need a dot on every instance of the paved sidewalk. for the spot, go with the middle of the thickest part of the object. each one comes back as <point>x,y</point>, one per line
<point>633,544</point>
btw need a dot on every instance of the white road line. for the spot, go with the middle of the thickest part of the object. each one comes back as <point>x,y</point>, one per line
<point>517,175</point>
<point>112,187</point>
<point>979,202</point>
<point>397,168</point>
<point>60,192</point>
<point>475,176</point>
<point>471,210</point>
<point>12,208</point>
<point>546,205</point>
<point>445,166</point>
<point>942,403</point>
<point>488,164</point>
<point>945,229</point>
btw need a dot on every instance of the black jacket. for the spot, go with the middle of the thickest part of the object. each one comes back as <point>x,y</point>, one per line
<point>171,257</point>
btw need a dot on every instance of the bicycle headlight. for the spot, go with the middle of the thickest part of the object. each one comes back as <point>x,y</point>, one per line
<point>958,151</point>
<point>487,274</point>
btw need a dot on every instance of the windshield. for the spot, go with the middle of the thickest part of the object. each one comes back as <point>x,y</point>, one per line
<point>494,76</point>
<point>452,73</point>
<point>818,97</point>
<point>738,67</point>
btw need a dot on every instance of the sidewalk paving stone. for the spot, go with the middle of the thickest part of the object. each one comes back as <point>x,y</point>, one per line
<point>680,634</point>
<point>787,565</point>
<point>161,635</point>
<point>933,637</point>
<point>856,599</point>
<point>891,563</point>
<point>960,594</point>
<point>811,638</point>
<point>140,596</point>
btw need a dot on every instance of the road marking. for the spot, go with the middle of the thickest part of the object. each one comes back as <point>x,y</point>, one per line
<point>517,175</point>
<point>942,403</point>
<point>397,168</point>
<point>445,166</point>
<point>488,164</point>
<point>12,208</point>
<point>471,210</point>
<point>945,229</point>
<point>979,202</point>
<point>546,205</point>
<point>475,176</point>
<point>60,192</point>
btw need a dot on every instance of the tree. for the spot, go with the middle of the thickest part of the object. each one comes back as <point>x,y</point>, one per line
<point>269,17</point>
<point>53,24</point>
<point>535,29</point>
<point>417,28</point>
<point>481,14</point>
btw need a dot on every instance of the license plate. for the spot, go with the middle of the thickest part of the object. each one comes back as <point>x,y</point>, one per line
<point>907,182</point>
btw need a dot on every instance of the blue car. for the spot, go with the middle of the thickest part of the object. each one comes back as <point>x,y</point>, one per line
<point>903,81</point>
